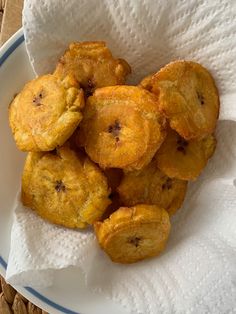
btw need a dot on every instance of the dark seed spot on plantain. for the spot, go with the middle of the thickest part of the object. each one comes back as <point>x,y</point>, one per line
<point>60,186</point>
<point>181,149</point>
<point>167,185</point>
<point>200,98</point>
<point>182,145</point>
<point>182,142</point>
<point>114,129</point>
<point>134,241</point>
<point>37,99</point>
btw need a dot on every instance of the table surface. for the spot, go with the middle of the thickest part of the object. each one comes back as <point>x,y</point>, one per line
<point>10,18</point>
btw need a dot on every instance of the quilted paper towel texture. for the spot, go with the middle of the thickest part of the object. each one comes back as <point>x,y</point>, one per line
<point>196,274</point>
<point>147,33</point>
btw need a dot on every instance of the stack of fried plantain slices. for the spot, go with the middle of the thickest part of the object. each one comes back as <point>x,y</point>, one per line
<point>59,182</point>
<point>114,156</point>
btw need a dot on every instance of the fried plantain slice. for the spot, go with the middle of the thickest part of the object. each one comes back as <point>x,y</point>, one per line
<point>65,188</point>
<point>182,159</point>
<point>150,186</point>
<point>93,66</point>
<point>122,127</point>
<point>133,234</point>
<point>46,112</point>
<point>188,97</point>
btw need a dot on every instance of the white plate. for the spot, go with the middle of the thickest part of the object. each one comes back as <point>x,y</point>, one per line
<point>69,294</point>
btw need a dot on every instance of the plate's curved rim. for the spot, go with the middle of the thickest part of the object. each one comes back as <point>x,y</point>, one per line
<point>5,51</point>
<point>10,45</point>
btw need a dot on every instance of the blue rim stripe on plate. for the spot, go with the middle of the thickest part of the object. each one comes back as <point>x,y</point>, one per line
<point>9,51</point>
<point>35,293</point>
<point>3,263</point>
<point>49,302</point>
<point>40,296</point>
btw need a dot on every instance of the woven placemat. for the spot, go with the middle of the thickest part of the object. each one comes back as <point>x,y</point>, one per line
<point>11,301</point>
<point>11,16</point>
<point>2,5</point>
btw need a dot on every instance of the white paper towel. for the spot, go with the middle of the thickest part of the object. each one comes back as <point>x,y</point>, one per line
<point>196,274</point>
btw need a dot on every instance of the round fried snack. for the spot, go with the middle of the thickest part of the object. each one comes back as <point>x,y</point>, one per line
<point>133,234</point>
<point>122,127</point>
<point>64,188</point>
<point>93,66</point>
<point>188,97</point>
<point>150,186</point>
<point>46,112</point>
<point>182,159</point>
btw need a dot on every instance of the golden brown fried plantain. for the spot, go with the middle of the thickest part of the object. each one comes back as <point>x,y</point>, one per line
<point>182,159</point>
<point>122,127</point>
<point>188,97</point>
<point>65,188</point>
<point>150,186</point>
<point>135,233</point>
<point>46,112</point>
<point>93,66</point>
